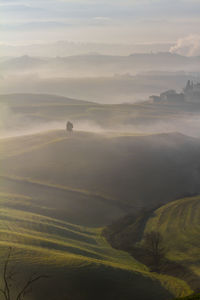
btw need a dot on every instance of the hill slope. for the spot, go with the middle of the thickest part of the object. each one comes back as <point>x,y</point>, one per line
<point>52,185</point>
<point>79,260</point>
<point>93,174</point>
<point>179,223</point>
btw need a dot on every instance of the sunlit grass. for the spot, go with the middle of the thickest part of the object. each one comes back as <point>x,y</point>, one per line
<point>38,239</point>
<point>179,223</point>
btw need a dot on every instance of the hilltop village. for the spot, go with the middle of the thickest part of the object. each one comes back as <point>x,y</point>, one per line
<point>190,94</point>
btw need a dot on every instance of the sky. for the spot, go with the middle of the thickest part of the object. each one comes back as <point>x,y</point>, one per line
<point>100,21</point>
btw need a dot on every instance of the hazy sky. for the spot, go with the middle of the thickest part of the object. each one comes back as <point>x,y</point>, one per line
<point>109,21</point>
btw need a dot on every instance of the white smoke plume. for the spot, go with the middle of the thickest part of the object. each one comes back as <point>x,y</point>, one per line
<point>188,46</point>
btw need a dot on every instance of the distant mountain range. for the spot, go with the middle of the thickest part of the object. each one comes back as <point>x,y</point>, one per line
<point>97,62</point>
<point>98,78</point>
<point>65,48</point>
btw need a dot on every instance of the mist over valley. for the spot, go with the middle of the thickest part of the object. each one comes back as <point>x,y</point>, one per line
<point>99,150</point>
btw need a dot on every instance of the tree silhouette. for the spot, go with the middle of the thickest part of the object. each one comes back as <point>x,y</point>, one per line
<point>69,127</point>
<point>153,244</point>
<point>9,277</point>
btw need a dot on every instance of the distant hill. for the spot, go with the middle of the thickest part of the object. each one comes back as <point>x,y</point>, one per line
<point>146,61</point>
<point>98,78</point>
<point>143,61</point>
<point>20,99</point>
<point>29,112</point>
<point>32,111</point>
<point>22,63</point>
<point>71,48</point>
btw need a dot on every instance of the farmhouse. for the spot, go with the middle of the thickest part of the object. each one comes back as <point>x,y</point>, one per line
<point>191,93</point>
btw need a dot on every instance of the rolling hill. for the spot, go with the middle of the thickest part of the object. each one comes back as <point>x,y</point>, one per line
<point>122,173</point>
<point>178,223</point>
<point>106,63</point>
<point>79,261</point>
<point>30,113</point>
<point>58,190</point>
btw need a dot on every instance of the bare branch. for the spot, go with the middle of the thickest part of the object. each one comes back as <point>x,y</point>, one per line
<point>8,278</point>
<point>28,284</point>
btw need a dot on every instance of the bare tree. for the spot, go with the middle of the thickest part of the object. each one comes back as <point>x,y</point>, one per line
<point>9,276</point>
<point>153,244</point>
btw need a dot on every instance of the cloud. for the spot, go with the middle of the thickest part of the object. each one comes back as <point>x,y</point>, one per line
<point>125,21</point>
<point>30,26</point>
<point>189,45</point>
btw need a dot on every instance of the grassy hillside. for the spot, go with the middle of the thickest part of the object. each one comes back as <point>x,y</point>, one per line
<point>53,186</point>
<point>95,178</point>
<point>179,223</point>
<point>79,261</point>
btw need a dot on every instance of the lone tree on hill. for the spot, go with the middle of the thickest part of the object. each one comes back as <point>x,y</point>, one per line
<point>153,244</point>
<point>69,127</point>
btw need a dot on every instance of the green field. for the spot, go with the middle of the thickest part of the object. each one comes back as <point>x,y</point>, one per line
<point>179,223</point>
<point>75,253</point>
<point>94,179</point>
<point>58,191</point>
